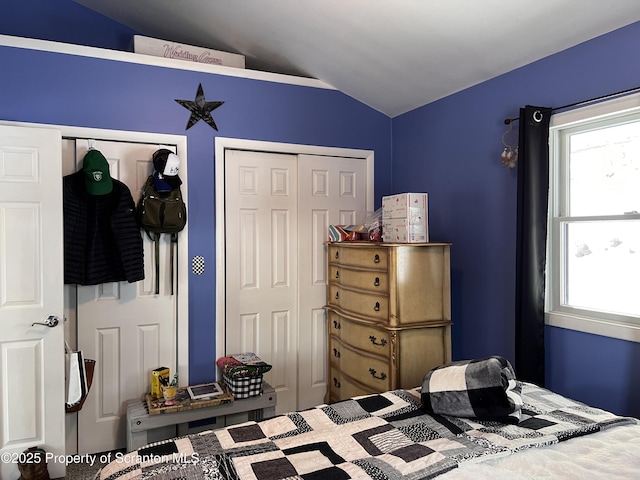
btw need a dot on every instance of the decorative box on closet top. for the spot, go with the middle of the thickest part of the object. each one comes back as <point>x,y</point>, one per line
<point>389,315</point>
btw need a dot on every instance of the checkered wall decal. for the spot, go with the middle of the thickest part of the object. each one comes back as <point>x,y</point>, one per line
<point>197,265</point>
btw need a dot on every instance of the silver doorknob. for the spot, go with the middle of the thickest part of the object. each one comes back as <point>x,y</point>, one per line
<point>50,321</point>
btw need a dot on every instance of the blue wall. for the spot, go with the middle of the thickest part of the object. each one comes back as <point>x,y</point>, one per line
<point>52,88</point>
<point>451,149</point>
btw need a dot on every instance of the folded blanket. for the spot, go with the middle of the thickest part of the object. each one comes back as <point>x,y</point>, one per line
<point>243,365</point>
<point>482,388</point>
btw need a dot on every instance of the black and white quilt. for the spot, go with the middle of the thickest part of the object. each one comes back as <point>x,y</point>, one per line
<point>381,436</point>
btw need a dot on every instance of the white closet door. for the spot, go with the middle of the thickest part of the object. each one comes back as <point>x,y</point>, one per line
<point>277,211</point>
<point>261,264</point>
<point>332,191</point>
<point>125,327</point>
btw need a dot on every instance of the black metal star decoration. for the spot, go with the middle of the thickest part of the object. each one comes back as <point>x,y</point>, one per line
<point>200,109</point>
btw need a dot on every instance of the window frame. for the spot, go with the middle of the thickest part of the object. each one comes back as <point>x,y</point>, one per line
<point>623,327</point>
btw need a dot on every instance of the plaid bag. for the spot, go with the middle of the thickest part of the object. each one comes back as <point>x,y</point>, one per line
<point>243,387</point>
<point>484,388</point>
<point>242,373</point>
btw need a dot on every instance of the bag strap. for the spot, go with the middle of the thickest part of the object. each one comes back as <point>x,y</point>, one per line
<point>155,237</point>
<point>156,248</point>
<point>174,244</point>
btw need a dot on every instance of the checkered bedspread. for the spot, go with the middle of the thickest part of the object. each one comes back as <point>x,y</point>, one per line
<point>379,436</point>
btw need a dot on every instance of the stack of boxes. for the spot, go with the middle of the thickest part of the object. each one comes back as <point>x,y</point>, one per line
<point>405,218</point>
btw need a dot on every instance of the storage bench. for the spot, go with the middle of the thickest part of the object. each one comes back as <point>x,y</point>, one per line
<point>139,422</point>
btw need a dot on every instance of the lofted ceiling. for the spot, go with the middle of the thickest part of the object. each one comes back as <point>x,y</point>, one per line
<point>393,55</point>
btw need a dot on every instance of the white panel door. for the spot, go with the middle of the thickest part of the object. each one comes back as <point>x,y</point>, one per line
<point>125,327</point>
<point>261,264</point>
<point>332,191</point>
<point>31,289</point>
<point>284,322</point>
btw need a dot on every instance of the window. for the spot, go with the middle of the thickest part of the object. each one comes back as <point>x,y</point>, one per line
<point>593,262</point>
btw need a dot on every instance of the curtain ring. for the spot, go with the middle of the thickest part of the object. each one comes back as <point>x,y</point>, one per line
<point>537,116</point>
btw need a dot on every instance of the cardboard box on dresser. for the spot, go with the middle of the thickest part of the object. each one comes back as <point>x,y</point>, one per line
<point>405,218</point>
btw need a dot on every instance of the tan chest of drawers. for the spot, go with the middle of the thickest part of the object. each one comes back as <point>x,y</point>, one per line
<point>389,315</point>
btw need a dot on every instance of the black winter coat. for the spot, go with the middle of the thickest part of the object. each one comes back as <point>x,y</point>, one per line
<point>102,239</point>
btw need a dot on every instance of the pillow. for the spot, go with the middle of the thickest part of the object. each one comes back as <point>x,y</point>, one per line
<point>485,389</point>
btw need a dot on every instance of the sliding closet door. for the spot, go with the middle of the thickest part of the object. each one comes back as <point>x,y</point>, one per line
<point>278,208</point>
<point>332,191</point>
<point>261,264</point>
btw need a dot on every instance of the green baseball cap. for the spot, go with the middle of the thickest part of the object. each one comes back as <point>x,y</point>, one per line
<point>96,170</point>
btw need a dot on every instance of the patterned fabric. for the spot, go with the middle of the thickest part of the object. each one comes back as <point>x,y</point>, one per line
<point>384,436</point>
<point>243,365</point>
<point>243,387</point>
<point>242,373</point>
<point>484,388</point>
<point>346,233</point>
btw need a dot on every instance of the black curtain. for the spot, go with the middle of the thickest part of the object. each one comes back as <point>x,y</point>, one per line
<point>533,188</point>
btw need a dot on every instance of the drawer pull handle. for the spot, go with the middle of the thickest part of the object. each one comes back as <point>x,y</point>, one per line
<point>336,383</point>
<point>337,254</point>
<point>377,307</point>
<point>376,259</point>
<point>374,340</point>
<point>376,282</point>
<point>337,295</point>
<point>337,273</point>
<point>336,353</point>
<point>336,325</point>
<point>373,373</point>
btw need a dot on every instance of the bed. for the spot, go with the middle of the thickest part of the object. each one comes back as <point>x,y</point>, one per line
<point>399,434</point>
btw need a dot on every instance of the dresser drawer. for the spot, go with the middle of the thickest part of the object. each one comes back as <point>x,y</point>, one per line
<point>365,280</point>
<point>363,337</point>
<point>335,324</point>
<point>371,372</point>
<point>370,306</point>
<point>369,257</point>
<point>341,388</point>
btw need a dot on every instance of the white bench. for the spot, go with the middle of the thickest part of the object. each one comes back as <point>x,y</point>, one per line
<point>139,422</point>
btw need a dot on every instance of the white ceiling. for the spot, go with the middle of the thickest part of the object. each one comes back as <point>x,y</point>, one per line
<point>393,55</point>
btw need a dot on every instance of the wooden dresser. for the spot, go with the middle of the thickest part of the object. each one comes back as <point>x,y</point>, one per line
<point>389,315</point>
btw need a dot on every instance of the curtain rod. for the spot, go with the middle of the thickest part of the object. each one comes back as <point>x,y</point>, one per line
<point>507,121</point>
